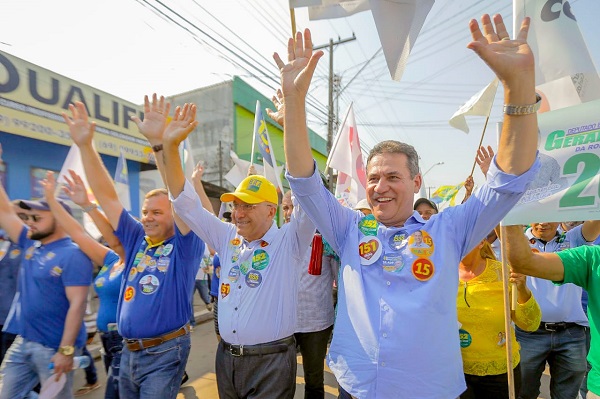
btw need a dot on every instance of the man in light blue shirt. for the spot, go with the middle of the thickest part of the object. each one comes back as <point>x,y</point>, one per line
<point>259,275</point>
<point>396,334</point>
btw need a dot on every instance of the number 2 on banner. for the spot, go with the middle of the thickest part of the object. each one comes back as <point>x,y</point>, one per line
<point>591,166</point>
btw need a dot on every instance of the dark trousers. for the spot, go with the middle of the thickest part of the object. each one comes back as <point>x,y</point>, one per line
<point>313,346</point>
<point>256,377</point>
<point>5,342</point>
<point>490,386</point>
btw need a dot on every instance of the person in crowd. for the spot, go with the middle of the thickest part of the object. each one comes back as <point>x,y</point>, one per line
<point>480,303</point>
<point>395,333</point>
<point>426,208</point>
<point>315,310</point>
<point>579,266</point>
<point>259,280</point>
<point>108,281</point>
<point>363,206</point>
<point>47,313</point>
<point>203,279</point>
<point>161,260</point>
<point>560,339</point>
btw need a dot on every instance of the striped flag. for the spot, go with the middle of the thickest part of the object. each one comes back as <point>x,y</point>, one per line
<point>266,149</point>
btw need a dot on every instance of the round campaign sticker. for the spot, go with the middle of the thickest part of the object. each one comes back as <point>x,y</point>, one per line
<point>420,243</point>
<point>234,274</point>
<point>465,338</point>
<point>264,244</point>
<point>253,279</point>
<point>138,258</point>
<point>100,282</point>
<point>167,249</point>
<point>235,242</point>
<point>149,284</point>
<point>369,250</point>
<point>129,294</point>
<point>104,268</point>
<point>151,265</point>
<point>244,267</point>
<point>235,255</point>
<point>163,264</point>
<point>14,253</point>
<point>116,270</point>
<point>132,273</point>
<point>159,251</point>
<point>368,225</point>
<point>260,259</point>
<point>393,262</point>
<point>398,240</point>
<point>422,269</point>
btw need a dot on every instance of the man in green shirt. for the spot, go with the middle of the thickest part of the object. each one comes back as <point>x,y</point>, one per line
<point>580,266</point>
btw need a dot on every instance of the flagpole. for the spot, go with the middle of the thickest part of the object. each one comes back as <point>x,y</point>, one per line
<point>293,18</point>
<point>507,317</point>
<point>481,141</point>
<point>254,133</point>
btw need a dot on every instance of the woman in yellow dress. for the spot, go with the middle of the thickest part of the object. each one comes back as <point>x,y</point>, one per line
<point>481,321</point>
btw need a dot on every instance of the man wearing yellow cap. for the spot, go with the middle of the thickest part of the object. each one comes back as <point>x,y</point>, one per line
<point>259,276</point>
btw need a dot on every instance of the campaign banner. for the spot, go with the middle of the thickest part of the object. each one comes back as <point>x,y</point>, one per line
<point>32,100</point>
<point>567,186</point>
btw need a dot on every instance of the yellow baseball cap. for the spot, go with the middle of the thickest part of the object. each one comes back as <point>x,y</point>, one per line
<point>252,190</point>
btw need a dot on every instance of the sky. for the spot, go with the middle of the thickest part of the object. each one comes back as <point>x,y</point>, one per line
<point>130,48</point>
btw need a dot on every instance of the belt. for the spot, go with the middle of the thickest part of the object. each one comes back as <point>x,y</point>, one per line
<point>135,345</point>
<point>268,348</point>
<point>559,326</point>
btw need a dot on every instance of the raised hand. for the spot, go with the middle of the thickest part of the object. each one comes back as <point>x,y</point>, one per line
<point>49,186</point>
<point>302,62</point>
<point>76,190</point>
<point>184,121</point>
<point>155,119</point>
<point>80,129</point>
<point>469,184</point>
<point>277,116</point>
<point>484,158</point>
<point>198,173</point>
<point>507,58</point>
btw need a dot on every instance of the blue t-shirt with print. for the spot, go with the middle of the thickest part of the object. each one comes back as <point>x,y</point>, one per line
<point>108,286</point>
<point>157,280</point>
<point>41,307</point>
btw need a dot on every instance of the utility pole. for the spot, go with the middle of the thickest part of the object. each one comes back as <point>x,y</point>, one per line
<point>331,115</point>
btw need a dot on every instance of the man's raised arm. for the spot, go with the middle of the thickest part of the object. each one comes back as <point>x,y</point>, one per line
<point>82,133</point>
<point>295,81</point>
<point>512,61</point>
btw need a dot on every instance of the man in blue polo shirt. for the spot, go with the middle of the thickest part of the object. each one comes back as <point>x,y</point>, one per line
<point>47,313</point>
<point>162,258</point>
<point>395,333</point>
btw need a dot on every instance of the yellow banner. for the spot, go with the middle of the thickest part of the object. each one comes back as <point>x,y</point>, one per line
<point>32,100</point>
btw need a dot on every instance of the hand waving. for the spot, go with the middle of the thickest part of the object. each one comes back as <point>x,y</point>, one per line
<point>297,73</point>
<point>507,58</point>
<point>80,129</point>
<point>484,158</point>
<point>76,190</point>
<point>155,119</point>
<point>184,121</point>
<point>277,116</point>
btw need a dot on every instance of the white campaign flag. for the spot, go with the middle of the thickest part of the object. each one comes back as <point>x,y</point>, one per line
<point>187,159</point>
<point>398,23</point>
<point>73,162</point>
<point>480,104</point>
<point>240,170</point>
<point>346,157</point>
<point>565,72</point>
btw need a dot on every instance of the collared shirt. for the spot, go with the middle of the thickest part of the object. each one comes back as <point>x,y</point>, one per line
<point>315,310</point>
<point>259,279</point>
<point>108,287</point>
<point>582,267</point>
<point>40,308</point>
<point>157,280</point>
<point>396,331</point>
<point>558,303</point>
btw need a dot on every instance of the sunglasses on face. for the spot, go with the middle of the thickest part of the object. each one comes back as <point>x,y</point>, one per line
<point>25,217</point>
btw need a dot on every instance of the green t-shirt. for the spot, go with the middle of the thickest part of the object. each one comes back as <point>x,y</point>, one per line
<point>582,267</point>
